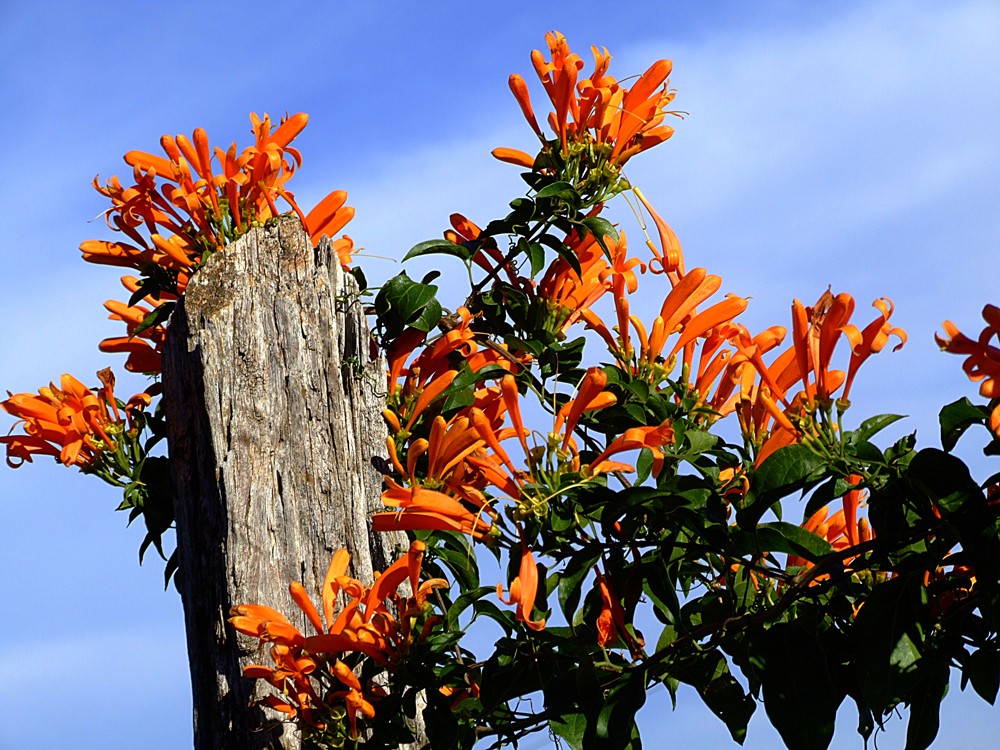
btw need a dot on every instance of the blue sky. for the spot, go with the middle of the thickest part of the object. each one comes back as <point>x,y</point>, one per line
<point>827,143</point>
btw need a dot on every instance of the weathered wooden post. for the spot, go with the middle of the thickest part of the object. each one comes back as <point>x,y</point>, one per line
<point>275,436</point>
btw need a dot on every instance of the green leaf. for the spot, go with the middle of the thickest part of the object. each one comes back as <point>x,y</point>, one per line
<point>571,581</point>
<point>601,228</point>
<point>571,727</point>
<point>824,495</point>
<point>429,317</point>
<point>667,636</point>
<point>956,418</point>
<point>708,672</point>
<point>785,468</point>
<point>639,389</point>
<point>865,451</point>
<point>946,480</point>
<point>464,602</point>
<point>457,399</point>
<point>725,698</point>
<point>699,441</point>
<point>925,708</point>
<point>887,632</point>
<point>799,685</point>
<point>171,568</point>
<point>359,277</point>
<point>569,255</point>
<point>570,698</point>
<point>489,610</point>
<point>536,254</point>
<point>782,473</point>
<point>658,583</point>
<point>430,276</point>
<point>617,715</point>
<point>147,287</point>
<point>562,360</point>
<point>156,317</point>
<point>510,672</point>
<point>781,536</point>
<point>439,247</point>
<point>468,377</point>
<point>460,562</point>
<point>905,653</point>
<point>983,670</point>
<point>866,721</point>
<point>643,466</point>
<point>402,301</point>
<point>556,189</point>
<point>871,427</point>
<point>154,499</point>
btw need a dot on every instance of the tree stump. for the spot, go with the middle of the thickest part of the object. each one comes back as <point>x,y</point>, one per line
<point>276,436</point>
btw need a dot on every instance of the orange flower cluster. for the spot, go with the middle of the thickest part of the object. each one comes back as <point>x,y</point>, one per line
<point>465,457</point>
<point>842,530</point>
<point>562,297</point>
<point>179,210</point>
<point>982,358</point>
<point>770,414</point>
<point>596,114</point>
<point>70,422</point>
<point>678,315</point>
<point>565,296</point>
<point>723,366</point>
<point>449,493</point>
<point>377,622</point>
<point>948,586</point>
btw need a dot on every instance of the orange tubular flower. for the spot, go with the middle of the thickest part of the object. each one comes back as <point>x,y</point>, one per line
<point>816,331</point>
<point>143,347</point>
<point>982,358</point>
<point>523,590</point>
<point>871,340</point>
<point>449,445</point>
<point>70,422</point>
<point>590,396</point>
<point>622,280</point>
<point>354,699</point>
<point>513,156</point>
<point>611,622</point>
<point>760,388</point>
<point>635,438</point>
<point>421,508</point>
<point>141,356</point>
<point>328,217</point>
<point>669,258</point>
